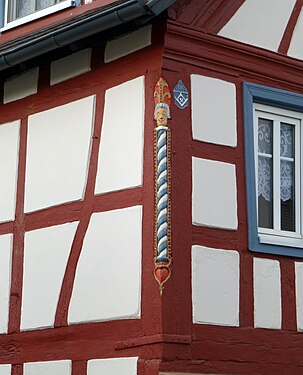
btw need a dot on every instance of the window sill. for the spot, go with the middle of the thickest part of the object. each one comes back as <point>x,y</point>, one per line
<point>288,251</point>
<point>41,13</point>
<point>281,240</point>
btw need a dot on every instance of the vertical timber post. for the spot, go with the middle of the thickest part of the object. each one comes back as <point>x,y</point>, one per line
<point>163,258</point>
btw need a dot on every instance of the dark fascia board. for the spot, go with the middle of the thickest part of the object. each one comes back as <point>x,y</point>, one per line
<point>158,6</point>
<point>120,12</point>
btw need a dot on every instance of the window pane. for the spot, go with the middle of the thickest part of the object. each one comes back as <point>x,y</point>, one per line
<point>265,199</point>
<point>24,7</point>
<point>287,178</point>
<point>287,140</point>
<point>287,196</point>
<point>265,173</point>
<point>41,4</point>
<point>265,136</point>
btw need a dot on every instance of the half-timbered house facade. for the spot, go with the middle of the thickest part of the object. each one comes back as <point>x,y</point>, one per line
<point>151,164</point>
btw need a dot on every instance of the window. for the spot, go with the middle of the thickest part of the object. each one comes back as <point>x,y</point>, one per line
<point>18,12</point>
<point>273,150</point>
<point>277,163</point>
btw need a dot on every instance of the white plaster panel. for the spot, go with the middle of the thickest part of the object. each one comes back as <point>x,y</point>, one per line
<point>296,44</point>
<point>127,44</point>
<point>21,85</point>
<point>47,368</point>
<point>299,294</point>
<point>214,198</point>
<point>112,366</point>
<point>70,66</point>
<point>121,148</point>
<point>9,147</point>
<point>58,149</point>
<point>259,23</point>
<point>267,293</point>
<point>6,243</point>
<point>108,279</point>
<point>5,369</point>
<point>213,110</point>
<point>46,252</point>
<point>215,286</point>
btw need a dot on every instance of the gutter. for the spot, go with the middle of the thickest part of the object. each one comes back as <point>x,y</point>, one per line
<point>110,17</point>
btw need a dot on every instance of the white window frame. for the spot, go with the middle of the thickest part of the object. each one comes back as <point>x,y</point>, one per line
<point>35,15</point>
<point>276,236</point>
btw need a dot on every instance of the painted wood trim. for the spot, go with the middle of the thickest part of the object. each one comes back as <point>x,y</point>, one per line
<point>6,228</point>
<point>221,16</point>
<point>212,151</point>
<point>251,337</point>
<point>79,367</point>
<point>288,295</point>
<point>178,288</point>
<point>181,373</point>
<point>215,348</point>
<point>187,45</point>
<point>155,339</point>
<point>18,237</point>
<point>207,15</point>
<point>17,370</point>
<point>151,313</point>
<point>215,237</point>
<point>71,211</point>
<point>76,342</point>
<point>286,38</point>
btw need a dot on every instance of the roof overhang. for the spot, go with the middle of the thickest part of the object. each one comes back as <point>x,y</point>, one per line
<point>80,27</point>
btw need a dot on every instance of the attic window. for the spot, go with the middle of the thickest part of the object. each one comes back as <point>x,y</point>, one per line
<point>18,12</point>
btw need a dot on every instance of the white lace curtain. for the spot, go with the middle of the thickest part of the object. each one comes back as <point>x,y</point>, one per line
<point>265,146</point>
<point>25,7</point>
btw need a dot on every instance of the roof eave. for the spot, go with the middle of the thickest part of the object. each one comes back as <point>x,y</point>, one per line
<point>118,14</point>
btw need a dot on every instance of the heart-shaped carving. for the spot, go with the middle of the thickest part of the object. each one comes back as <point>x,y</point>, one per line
<point>162,273</point>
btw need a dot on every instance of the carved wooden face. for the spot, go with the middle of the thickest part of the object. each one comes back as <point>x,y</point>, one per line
<point>161,116</point>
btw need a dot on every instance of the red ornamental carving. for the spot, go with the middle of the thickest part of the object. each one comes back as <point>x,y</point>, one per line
<point>162,273</point>
<point>162,92</point>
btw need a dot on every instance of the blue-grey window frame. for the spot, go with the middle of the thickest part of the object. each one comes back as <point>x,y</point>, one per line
<point>253,93</point>
<point>2,13</point>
